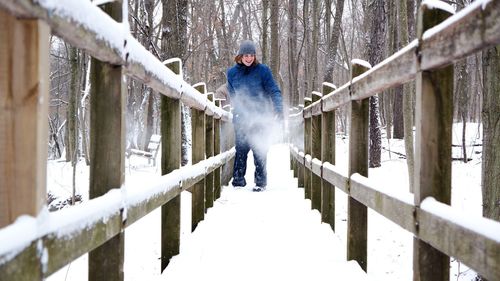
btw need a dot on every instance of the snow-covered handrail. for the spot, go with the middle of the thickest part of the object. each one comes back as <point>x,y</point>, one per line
<point>471,29</point>
<point>69,233</point>
<point>87,27</point>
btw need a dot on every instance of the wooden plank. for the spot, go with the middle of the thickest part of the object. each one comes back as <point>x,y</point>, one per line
<point>24,88</point>
<point>474,28</point>
<point>307,150</point>
<point>209,152</point>
<point>107,152</point>
<point>337,98</point>
<point>336,177</point>
<point>398,209</point>
<point>450,231</point>
<point>433,123</point>
<point>316,108</point>
<point>328,155</point>
<point>67,241</point>
<point>316,167</point>
<point>358,163</point>
<point>170,161</point>
<point>26,266</point>
<point>217,148</point>
<point>198,154</point>
<point>316,153</point>
<point>395,70</point>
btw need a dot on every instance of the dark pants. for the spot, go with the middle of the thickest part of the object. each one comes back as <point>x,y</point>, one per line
<point>244,143</point>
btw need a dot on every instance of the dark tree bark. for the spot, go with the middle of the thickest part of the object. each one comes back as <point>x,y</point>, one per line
<point>265,36</point>
<point>375,49</point>
<point>333,40</point>
<point>173,44</point>
<point>275,53</point>
<point>408,93</point>
<point>293,95</point>
<point>490,180</point>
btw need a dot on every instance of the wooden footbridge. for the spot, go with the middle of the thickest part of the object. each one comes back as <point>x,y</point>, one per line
<point>38,244</point>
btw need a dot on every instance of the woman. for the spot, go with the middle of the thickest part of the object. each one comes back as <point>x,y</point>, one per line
<point>257,105</point>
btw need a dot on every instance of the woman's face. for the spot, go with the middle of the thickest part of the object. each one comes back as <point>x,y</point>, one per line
<point>248,59</point>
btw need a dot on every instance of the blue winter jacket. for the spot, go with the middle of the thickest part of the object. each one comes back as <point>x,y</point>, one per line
<point>252,90</point>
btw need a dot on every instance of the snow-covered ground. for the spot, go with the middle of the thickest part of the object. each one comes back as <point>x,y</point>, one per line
<point>275,235</point>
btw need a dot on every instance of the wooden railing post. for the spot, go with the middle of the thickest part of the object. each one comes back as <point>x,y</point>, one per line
<point>358,163</point>
<point>171,143</point>
<point>107,151</point>
<point>198,154</point>
<point>300,168</point>
<point>24,91</point>
<point>307,150</point>
<point>433,122</point>
<point>227,142</point>
<point>316,153</point>
<point>328,155</point>
<point>292,132</point>
<point>24,88</point>
<point>209,151</point>
<point>217,144</point>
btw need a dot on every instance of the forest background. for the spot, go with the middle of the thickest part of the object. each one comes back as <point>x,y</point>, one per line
<point>304,42</point>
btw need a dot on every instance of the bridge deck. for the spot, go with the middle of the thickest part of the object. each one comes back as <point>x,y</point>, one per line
<point>272,235</point>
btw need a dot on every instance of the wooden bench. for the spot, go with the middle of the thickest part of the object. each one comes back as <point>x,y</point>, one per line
<point>152,149</point>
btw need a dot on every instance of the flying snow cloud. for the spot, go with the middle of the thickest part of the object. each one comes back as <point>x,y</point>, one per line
<point>255,118</point>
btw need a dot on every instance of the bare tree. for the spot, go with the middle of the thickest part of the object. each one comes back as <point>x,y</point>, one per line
<point>490,180</point>
<point>275,52</point>
<point>375,53</point>
<point>333,40</point>
<point>293,94</point>
<point>407,97</point>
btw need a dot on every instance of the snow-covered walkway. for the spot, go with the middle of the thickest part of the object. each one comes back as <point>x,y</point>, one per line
<point>271,235</point>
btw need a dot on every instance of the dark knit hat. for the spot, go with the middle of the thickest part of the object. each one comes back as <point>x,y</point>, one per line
<point>247,47</point>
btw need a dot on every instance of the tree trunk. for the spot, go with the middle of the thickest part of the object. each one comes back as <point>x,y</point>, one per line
<point>293,94</point>
<point>377,19</point>
<point>407,98</point>
<point>275,54</point>
<point>333,40</point>
<point>265,36</point>
<point>313,60</point>
<point>72,110</point>
<point>173,44</point>
<point>491,134</point>
<point>307,45</point>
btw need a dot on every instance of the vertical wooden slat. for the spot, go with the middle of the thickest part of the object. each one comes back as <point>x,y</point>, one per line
<point>433,122</point>
<point>198,154</point>
<point>209,151</point>
<point>300,168</point>
<point>217,144</point>
<point>307,150</point>
<point>107,152</point>
<point>316,153</point>
<point>358,163</point>
<point>328,155</point>
<point>24,87</point>
<point>170,160</point>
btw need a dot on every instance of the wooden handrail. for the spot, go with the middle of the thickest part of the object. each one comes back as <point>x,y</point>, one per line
<point>437,224</point>
<point>472,29</point>
<point>66,237</point>
<point>121,49</point>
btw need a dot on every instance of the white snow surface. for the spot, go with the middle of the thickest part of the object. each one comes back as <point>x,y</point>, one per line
<point>436,4</point>
<point>275,235</point>
<point>361,62</point>
<point>456,17</point>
